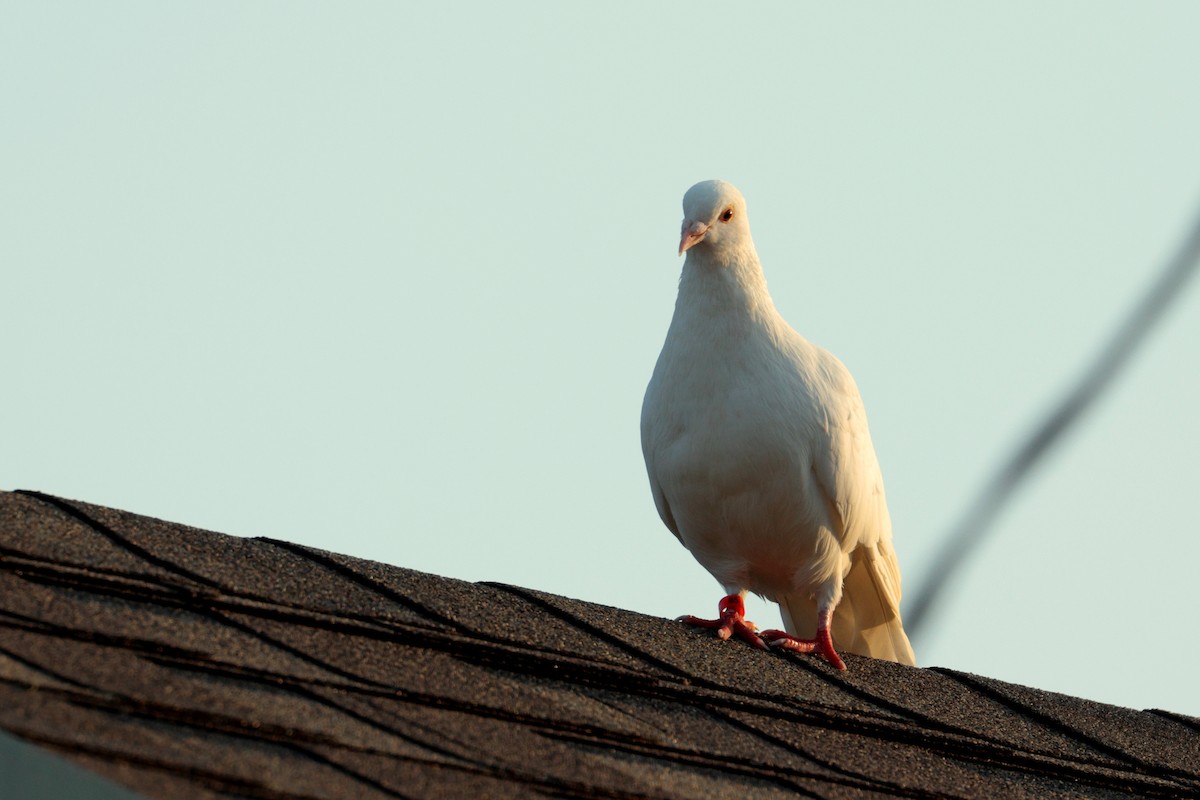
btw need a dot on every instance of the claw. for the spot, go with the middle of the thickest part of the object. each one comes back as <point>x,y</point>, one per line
<point>822,645</point>
<point>730,623</point>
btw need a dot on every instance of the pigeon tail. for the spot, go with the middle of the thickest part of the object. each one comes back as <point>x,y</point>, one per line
<point>865,621</point>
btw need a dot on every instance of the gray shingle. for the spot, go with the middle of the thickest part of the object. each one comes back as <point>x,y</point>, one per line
<point>185,663</point>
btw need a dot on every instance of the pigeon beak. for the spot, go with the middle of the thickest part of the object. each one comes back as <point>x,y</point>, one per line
<point>691,235</point>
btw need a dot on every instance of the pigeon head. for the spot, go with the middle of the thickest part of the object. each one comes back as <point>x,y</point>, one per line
<point>714,219</point>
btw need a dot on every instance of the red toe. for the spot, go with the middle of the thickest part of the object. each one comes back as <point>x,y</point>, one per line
<point>822,645</point>
<point>730,623</point>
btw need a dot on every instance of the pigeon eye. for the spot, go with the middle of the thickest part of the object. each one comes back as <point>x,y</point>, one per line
<point>727,215</point>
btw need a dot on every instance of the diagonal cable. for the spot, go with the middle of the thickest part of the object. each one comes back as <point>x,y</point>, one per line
<point>975,523</point>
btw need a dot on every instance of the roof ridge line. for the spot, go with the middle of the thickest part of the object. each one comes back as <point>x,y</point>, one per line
<point>1070,732</point>
<point>117,539</point>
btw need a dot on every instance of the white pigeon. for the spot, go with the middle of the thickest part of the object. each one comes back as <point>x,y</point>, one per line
<point>759,456</point>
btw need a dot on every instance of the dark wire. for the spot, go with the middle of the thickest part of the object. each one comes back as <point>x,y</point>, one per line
<point>975,523</point>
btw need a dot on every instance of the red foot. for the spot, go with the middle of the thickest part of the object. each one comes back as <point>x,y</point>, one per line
<point>822,645</point>
<point>731,622</point>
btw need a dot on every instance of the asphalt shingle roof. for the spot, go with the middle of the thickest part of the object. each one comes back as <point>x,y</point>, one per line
<point>189,664</point>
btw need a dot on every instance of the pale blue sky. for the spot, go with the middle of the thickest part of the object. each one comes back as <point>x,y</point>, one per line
<point>390,279</point>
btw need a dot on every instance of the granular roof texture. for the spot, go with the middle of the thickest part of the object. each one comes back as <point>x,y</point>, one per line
<point>188,664</point>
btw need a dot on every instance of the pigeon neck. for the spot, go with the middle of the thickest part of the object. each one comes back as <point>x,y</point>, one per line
<point>727,286</point>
